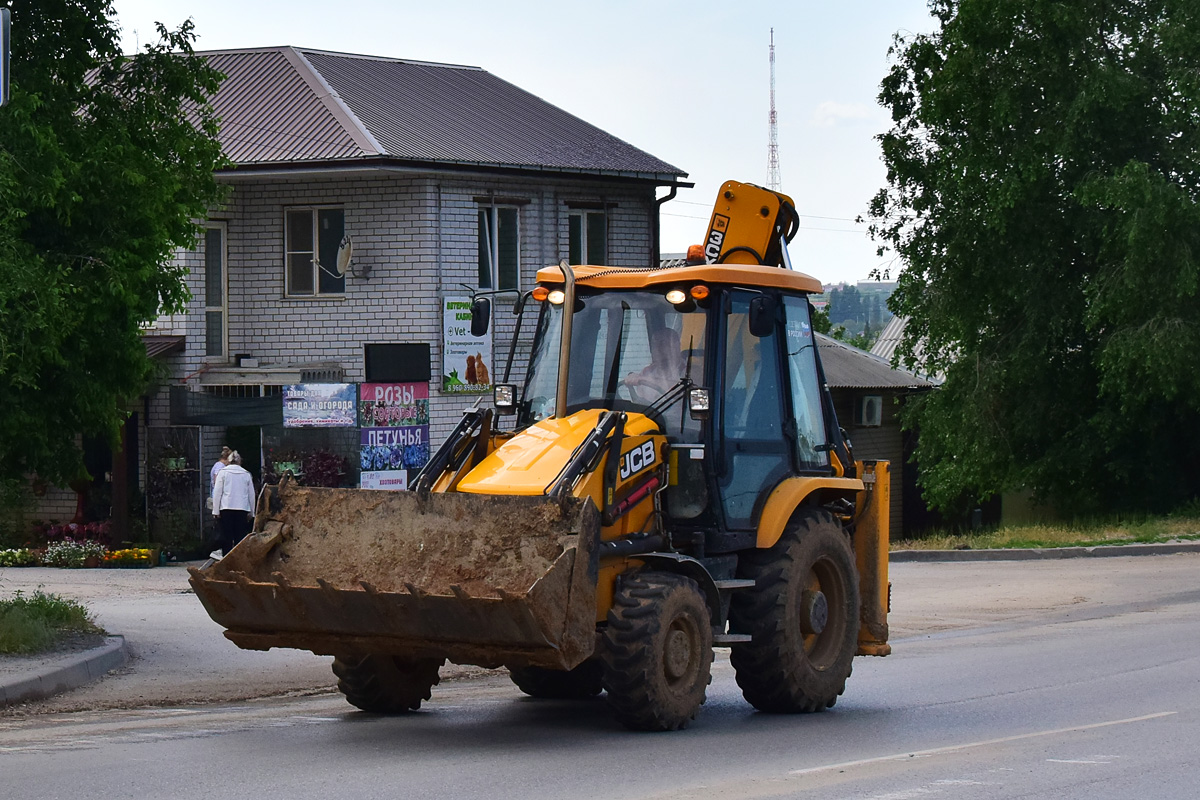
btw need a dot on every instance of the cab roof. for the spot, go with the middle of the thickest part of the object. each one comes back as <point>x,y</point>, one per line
<point>749,275</point>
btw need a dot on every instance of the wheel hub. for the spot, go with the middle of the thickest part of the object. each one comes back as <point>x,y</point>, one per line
<point>814,612</point>
<point>677,655</point>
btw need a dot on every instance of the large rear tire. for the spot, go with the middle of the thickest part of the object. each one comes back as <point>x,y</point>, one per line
<point>803,616</point>
<point>385,684</point>
<point>554,684</point>
<point>657,651</point>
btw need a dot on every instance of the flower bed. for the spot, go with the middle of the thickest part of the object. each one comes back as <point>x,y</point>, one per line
<point>72,554</point>
<point>129,558</point>
<point>22,557</point>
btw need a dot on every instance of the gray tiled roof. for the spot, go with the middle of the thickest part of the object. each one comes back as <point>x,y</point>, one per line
<point>283,106</point>
<point>848,367</point>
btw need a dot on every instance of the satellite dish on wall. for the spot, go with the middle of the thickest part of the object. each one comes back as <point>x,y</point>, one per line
<point>344,255</point>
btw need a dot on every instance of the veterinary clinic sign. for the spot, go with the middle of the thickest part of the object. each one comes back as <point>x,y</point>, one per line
<point>466,359</point>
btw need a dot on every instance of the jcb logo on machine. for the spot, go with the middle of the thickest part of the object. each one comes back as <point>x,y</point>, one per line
<point>716,237</point>
<point>637,459</point>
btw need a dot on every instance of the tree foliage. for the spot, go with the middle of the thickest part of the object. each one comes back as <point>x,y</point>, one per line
<point>1044,197</point>
<point>106,162</point>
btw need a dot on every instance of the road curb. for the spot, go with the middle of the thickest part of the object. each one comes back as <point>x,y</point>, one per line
<point>65,674</point>
<point>1044,553</point>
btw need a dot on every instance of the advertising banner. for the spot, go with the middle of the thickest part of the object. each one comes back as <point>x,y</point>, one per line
<point>319,405</point>
<point>387,405</point>
<point>394,436</point>
<point>389,480</point>
<point>466,359</point>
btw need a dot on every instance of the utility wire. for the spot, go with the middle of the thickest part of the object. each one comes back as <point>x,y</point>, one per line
<point>800,227</point>
<point>810,216</point>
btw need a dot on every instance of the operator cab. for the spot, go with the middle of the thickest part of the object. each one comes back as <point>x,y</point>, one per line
<point>648,350</point>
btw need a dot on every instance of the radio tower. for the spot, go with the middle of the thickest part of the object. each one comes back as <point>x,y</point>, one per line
<point>773,130</point>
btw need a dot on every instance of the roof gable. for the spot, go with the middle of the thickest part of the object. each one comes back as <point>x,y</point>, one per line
<point>285,106</point>
<point>272,111</point>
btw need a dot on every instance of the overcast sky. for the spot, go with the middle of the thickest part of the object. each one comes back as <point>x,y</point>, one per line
<point>688,82</point>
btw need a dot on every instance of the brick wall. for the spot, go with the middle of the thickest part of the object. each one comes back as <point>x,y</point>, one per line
<point>418,236</point>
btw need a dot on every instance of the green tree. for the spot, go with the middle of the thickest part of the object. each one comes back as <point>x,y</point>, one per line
<point>106,163</point>
<point>1044,196</point>
<point>845,305</point>
<point>820,320</point>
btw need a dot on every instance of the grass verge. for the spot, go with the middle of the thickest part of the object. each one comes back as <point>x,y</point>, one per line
<point>34,623</point>
<point>1084,534</point>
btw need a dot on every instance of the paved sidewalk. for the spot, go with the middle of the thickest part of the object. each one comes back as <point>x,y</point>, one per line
<point>1043,553</point>
<point>169,652</point>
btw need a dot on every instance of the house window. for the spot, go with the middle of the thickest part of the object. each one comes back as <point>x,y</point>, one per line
<point>499,247</point>
<point>216,331</point>
<point>587,234</point>
<point>312,238</point>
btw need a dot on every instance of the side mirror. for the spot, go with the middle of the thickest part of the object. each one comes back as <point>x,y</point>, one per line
<point>762,315</point>
<point>481,316</point>
<point>504,397</point>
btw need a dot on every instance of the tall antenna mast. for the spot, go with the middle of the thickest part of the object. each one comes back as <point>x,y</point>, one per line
<point>773,130</point>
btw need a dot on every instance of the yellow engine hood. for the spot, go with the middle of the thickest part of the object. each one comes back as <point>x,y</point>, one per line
<point>530,461</point>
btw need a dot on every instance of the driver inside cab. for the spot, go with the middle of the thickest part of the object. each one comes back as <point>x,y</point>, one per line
<point>666,367</point>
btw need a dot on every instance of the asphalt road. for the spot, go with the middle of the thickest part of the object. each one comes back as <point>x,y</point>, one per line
<point>1067,680</point>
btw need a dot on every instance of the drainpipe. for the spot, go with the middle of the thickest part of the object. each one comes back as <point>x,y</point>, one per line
<point>656,234</point>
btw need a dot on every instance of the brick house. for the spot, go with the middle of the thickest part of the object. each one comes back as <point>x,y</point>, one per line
<point>444,178</point>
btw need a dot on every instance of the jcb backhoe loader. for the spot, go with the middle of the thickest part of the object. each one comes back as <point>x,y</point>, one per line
<point>670,477</point>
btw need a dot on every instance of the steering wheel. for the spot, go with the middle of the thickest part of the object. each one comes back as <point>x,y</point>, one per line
<point>630,393</point>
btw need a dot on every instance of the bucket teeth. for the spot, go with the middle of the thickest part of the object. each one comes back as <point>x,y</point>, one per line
<point>332,594</point>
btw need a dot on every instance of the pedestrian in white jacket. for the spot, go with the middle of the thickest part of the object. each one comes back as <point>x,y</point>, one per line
<point>233,502</point>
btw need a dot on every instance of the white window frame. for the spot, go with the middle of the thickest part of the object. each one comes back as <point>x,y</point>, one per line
<point>223,308</point>
<point>492,250</point>
<point>314,214</point>
<point>582,214</point>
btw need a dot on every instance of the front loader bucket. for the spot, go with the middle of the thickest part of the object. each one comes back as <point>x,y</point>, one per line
<point>479,579</point>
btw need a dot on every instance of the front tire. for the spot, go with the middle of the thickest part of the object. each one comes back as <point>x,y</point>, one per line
<point>385,684</point>
<point>553,684</point>
<point>803,616</point>
<point>657,651</point>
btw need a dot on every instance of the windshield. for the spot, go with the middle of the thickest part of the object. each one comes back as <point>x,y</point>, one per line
<point>629,350</point>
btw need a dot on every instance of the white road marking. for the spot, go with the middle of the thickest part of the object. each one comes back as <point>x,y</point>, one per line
<point>904,794</point>
<point>923,791</point>
<point>1092,760</point>
<point>956,747</point>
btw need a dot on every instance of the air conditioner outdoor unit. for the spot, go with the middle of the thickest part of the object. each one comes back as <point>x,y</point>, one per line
<point>870,411</point>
